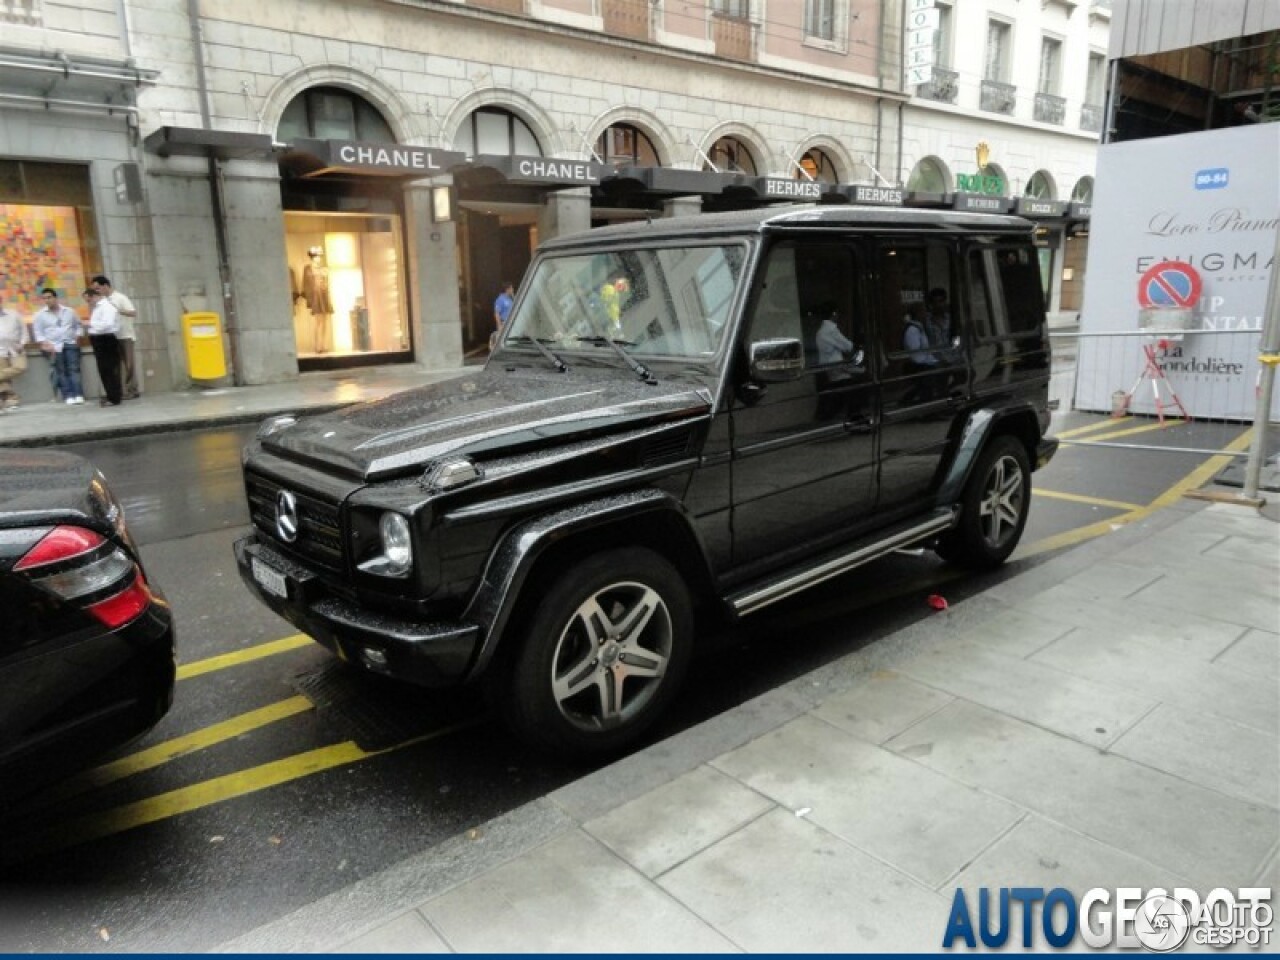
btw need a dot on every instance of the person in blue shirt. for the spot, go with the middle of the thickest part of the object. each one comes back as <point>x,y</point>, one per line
<point>502,310</point>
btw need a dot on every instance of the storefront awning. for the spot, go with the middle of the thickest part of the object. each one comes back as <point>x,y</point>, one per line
<point>1036,209</point>
<point>199,142</point>
<point>669,181</point>
<point>1080,211</point>
<point>316,158</point>
<point>981,203</point>
<point>548,172</point>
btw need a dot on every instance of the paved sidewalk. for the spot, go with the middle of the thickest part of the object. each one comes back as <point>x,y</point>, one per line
<point>39,424</point>
<point>1106,719</point>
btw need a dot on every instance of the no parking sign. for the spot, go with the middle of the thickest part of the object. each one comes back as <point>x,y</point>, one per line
<point>1170,283</point>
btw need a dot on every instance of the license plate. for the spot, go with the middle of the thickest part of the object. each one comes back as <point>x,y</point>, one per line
<point>270,580</point>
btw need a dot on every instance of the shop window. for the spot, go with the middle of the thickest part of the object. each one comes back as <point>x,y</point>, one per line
<point>331,113</point>
<point>1040,186</point>
<point>928,176</point>
<point>732,155</point>
<point>48,236</point>
<point>494,131</point>
<point>624,145</point>
<point>348,284</point>
<point>1083,191</point>
<point>818,166</point>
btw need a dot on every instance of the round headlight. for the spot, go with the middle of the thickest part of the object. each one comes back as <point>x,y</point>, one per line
<point>397,547</point>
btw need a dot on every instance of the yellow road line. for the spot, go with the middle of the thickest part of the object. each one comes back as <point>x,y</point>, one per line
<point>222,661</point>
<point>1192,481</point>
<point>1103,437</point>
<point>178,747</point>
<point>1089,428</point>
<point>228,787</point>
<point>1205,472</point>
<point>1094,501</point>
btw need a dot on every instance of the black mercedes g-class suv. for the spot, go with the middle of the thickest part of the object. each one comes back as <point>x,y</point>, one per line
<point>699,414</point>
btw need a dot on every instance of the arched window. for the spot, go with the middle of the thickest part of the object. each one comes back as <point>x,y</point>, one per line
<point>624,145</point>
<point>1083,192</point>
<point>1040,186</point>
<point>818,166</point>
<point>995,171</point>
<point>496,131</point>
<point>332,113</point>
<point>731,155</point>
<point>928,176</point>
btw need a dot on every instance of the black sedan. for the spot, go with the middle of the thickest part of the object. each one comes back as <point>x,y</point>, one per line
<point>86,641</point>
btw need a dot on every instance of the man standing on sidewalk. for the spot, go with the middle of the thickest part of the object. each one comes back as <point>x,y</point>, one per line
<point>57,331</point>
<point>125,337</point>
<point>104,322</point>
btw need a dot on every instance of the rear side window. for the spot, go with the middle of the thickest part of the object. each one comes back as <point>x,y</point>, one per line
<point>1005,296</point>
<point>918,327</point>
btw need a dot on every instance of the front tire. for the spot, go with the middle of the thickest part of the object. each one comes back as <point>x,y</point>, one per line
<point>605,651</point>
<point>993,507</point>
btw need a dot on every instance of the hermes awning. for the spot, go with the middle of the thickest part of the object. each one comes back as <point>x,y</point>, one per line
<point>668,181</point>
<point>200,142</point>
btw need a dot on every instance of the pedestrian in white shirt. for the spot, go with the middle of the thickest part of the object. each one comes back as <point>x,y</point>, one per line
<point>57,331</point>
<point>104,324</point>
<point>126,337</point>
<point>13,358</point>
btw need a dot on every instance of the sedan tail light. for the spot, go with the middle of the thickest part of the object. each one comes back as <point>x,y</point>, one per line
<point>76,563</point>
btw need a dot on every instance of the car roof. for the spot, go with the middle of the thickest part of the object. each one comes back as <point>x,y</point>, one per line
<point>796,217</point>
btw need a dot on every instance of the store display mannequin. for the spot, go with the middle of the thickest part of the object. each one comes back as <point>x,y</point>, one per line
<point>315,290</point>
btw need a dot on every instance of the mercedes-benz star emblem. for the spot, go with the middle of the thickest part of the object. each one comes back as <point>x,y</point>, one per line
<point>287,516</point>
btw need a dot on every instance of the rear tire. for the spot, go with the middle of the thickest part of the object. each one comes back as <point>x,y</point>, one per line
<point>993,507</point>
<point>605,651</point>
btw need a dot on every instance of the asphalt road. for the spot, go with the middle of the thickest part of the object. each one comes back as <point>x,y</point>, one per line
<point>280,776</point>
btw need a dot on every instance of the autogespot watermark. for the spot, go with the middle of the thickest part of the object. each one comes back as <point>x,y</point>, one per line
<point>1128,918</point>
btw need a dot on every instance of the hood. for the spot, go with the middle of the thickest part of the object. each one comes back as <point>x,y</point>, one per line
<point>488,414</point>
<point>34,483</point>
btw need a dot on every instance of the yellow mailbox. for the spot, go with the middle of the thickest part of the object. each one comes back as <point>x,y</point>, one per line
<point>202,336</point>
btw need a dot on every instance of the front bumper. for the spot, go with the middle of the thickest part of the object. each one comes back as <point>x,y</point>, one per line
<point>67,705</point>
<point>430,653</point>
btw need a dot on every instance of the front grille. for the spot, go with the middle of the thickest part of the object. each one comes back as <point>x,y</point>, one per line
<point>319,533</point>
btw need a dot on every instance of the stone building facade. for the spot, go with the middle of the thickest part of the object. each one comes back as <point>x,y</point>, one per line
<point>347,183</point>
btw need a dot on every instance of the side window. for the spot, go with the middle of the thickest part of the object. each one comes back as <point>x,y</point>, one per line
<point>918,328</point>
<point>1004,292</point>
<point>810,293</point>
<point>1023,293</point>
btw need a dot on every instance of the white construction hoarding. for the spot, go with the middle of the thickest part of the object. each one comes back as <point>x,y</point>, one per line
<point>1183,232</point>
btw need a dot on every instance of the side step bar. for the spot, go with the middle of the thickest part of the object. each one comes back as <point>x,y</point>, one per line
<point>761,595</point>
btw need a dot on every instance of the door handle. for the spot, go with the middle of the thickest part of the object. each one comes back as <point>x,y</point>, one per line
<point>860,425</point>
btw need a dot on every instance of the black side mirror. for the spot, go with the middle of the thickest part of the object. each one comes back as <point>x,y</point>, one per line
<point>777,360</point>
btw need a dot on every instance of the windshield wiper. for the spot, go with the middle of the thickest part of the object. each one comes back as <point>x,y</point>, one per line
<point>540,342</point>
<point>643,372</point>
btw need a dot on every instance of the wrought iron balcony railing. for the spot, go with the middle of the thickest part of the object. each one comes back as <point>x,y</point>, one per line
<point>943,87</point>
<point>998,97</point>
<point>1091,117</point>
<point>1050,108</point>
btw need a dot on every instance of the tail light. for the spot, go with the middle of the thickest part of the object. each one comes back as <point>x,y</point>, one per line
<point>77,564</point>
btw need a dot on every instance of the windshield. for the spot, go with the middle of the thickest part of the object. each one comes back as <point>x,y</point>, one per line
<point>656,302</point>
